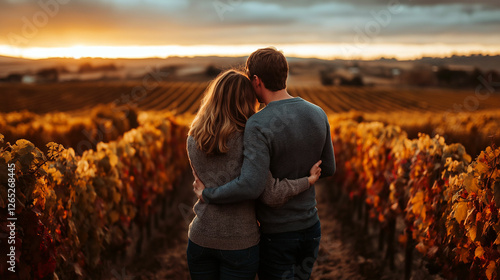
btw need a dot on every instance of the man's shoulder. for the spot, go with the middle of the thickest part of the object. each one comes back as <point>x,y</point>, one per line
<point>296,108</point>
<point>257,118</point>
<point>313,106</point>
<point>309,110</point>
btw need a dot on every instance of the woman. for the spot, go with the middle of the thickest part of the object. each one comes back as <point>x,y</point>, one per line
<point>223,239</point>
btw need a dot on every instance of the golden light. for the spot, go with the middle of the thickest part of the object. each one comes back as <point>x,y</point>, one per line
<point>323,51</point>
<point>78,51</point>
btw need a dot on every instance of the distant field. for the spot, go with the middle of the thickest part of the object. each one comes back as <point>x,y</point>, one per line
<point>184,97</point>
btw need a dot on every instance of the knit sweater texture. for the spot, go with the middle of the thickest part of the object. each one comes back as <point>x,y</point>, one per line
<point>232,226</point>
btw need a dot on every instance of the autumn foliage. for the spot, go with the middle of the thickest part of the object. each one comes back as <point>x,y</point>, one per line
<point>73,209</point>
<point>450,206</point>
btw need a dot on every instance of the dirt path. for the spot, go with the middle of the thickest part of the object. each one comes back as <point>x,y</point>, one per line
<point>337,258</point>
<point>166,256</point>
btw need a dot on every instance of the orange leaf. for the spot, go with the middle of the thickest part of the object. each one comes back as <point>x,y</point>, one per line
<point>489,271</point>
<point>460,211</point>
<point>472,233</point>
<point>418,202</point>
<point>479,252</point>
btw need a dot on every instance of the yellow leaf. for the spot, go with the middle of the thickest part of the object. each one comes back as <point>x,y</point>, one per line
<point>481,167</point>
<point>479,252</point>
<point>472,233</point>
<point>489,271</point>
<point>22,143</point>
<point>58,177</point>
<point>460,211</point>
<point>113,160</point>
<point>24,147</point>
<point>418,202</point>
<point>470,183</point>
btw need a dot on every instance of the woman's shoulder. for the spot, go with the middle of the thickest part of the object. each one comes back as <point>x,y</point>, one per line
<point>235,140</point>
<point>236,136</point>
<point>192,147</point>
<point>191,142</point>
<point>233,136</point>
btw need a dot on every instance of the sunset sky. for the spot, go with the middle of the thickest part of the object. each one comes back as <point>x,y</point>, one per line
<point>318,28</point>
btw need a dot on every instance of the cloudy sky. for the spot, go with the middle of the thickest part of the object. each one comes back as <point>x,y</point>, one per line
<point>334,28</point>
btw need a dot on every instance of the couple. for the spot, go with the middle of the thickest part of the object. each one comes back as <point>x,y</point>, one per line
<point>258,212</point>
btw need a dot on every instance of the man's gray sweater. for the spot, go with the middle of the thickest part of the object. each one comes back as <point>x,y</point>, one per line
<point>287,137</point>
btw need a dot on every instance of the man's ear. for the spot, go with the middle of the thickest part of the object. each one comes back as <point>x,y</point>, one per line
<point>256,81</point>
<point>259,82</point>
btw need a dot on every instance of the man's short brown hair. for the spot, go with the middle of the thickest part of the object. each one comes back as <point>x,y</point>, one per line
<point>270,66</point>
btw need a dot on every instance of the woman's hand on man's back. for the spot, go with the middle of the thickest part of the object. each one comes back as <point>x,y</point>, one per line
<point>315,173</point>
<point>198,186</point>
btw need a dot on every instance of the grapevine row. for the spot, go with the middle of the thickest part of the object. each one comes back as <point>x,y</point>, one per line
<point>184,97</point>
<point>450,207</point>
<point>72,209</point>
<point>80,130</point>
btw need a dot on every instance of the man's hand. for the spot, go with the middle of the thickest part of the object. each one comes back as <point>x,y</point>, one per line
<point>315,173</point>
<point>198,186</point>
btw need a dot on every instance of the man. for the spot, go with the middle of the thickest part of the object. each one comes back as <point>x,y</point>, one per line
<point>287,137</point>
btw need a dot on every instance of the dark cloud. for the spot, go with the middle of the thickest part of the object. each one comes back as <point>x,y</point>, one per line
<point>157,22</point>
<point>372,3</point>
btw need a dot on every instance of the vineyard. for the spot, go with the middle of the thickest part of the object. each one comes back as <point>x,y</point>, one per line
<point>119,164</point>
<point>453,114</point>
<point>184,97</point>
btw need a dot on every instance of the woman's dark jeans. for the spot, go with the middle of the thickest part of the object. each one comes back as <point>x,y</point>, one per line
<point>289,255</point>
<point>206,264</point>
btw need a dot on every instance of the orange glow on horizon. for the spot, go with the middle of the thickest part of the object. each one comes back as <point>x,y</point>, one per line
<point>322,51</point>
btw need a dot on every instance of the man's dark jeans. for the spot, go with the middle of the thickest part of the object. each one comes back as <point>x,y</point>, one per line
<point>207,264</point>
<point>289,255</point>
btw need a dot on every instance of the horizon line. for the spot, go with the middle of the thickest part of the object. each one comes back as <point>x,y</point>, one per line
<point>241,56</point>
<point>339,51</point>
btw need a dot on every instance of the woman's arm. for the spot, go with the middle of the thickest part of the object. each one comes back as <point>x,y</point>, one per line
<point>253,176</point>
<point>278,192</point>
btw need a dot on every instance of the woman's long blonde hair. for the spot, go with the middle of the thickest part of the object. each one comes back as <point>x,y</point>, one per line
<point>227,104</point>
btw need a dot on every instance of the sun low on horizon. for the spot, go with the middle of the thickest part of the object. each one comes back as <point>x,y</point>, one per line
<point>321,51</point>
<point>318,29</point>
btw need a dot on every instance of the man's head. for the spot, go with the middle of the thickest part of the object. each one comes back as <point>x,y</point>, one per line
<point>267,69</point>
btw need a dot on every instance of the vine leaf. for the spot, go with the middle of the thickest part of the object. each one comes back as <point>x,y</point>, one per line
<point>490,269</point>
<point>479,252</point>
<point>460,211</point>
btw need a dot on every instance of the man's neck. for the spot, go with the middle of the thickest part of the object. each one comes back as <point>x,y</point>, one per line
<point>276,96</point>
